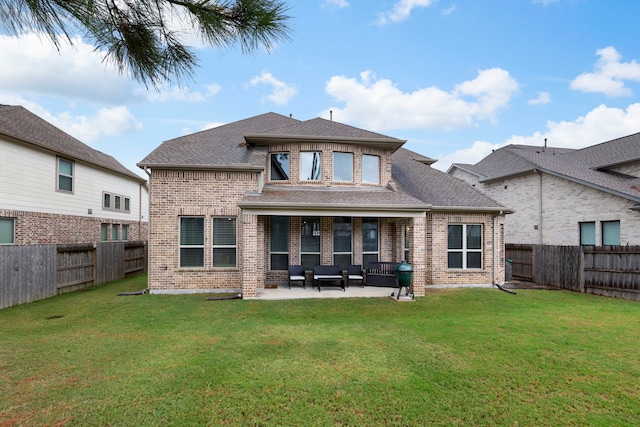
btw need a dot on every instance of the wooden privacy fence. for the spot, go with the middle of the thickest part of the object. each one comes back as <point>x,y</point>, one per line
<point>604,270</point>
<point>31,273</point>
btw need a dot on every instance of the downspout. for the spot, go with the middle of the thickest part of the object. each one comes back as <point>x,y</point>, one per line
<point>541,218</point>
<point>146,170</point>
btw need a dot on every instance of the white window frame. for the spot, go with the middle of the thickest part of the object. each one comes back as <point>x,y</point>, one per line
<point>465,250</point>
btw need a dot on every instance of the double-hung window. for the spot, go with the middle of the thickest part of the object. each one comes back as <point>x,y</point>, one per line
<point>224,242</point>
<point>464,248</point>
<point>279,242</point>
<point>65,175</point>
<point>115,232</point>
<point>125,232</point>
<point>342,242</point>
<point>370,242</point>
<point>310,242</point>
<point>191,241</point>
<point>343,167</point>
<point>7,231</point>
<point>104,232</point>
<point>310,165</point>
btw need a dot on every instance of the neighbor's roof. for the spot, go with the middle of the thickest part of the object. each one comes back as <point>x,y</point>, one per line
<point>20,124</point>
<point>587,166</point>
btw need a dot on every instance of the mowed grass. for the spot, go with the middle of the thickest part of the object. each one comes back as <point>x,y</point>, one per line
<point>454,357</point>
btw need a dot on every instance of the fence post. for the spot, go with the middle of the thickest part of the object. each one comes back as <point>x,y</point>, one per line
<point>534,273</point>
<point>581,274</point>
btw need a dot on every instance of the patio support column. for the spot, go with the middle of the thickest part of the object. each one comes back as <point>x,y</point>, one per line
<point>249,263</point>
<point>418,254</point>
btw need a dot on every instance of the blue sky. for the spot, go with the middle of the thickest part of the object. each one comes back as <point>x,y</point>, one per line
<point>455,78</point>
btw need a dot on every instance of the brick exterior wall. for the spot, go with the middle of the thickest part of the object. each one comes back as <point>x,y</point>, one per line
<point>35,228</point>
<point>437,271</point>
<point>554,217</point>
<point>207,194</point>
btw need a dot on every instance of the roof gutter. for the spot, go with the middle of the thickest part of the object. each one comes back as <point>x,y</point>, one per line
<point>478,209</point>
<point>261,139</point>
<point>234,167</point>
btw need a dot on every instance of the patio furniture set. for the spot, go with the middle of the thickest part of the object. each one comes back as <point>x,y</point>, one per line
<point>377,274</point>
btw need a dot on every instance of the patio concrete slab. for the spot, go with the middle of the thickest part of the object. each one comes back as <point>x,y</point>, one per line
<point>297,292</point>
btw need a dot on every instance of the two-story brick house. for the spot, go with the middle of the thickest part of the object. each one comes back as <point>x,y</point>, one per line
<point>232,207</point>
<point>561,196</point>
<point>54,189</point>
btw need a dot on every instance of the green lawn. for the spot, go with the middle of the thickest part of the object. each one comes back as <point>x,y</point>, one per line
<point>454,357</point>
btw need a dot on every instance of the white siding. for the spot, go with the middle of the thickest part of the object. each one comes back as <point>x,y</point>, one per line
<point>28,183</point>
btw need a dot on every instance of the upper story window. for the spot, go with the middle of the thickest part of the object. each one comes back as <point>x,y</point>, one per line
<point>7,231</point>
<point>343,167</point>
<point>65,175</point>
<point>310,165</point>
<point>280,167</point>
<point>370,169</point>
<point>115,202</point>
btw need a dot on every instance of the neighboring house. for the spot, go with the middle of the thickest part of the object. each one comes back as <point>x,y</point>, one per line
<point>232,207</point>
<point>55,190</point>
<point>564,196</point>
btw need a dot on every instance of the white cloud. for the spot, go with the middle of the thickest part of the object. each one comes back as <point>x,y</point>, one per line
<point>32,64</point>
<point>545,2</point>
<point>378,104</point>
<point>106,122</point>
<point>448,11</point>
<point>176,93</point>
<point>401,11</point>
<point>281,92</point>
<point>340,4</point>
<point>599,125</point>
<point>609,75</point>
<point>543,98</point>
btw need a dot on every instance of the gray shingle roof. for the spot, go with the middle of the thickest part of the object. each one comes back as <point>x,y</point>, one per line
<point>434,187</point>
<point>238,144</point>
<point>362,198</point>
<point>223,146</point>
<point>319,127</point>
<point>19,123</point>
<point>581,166</point>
